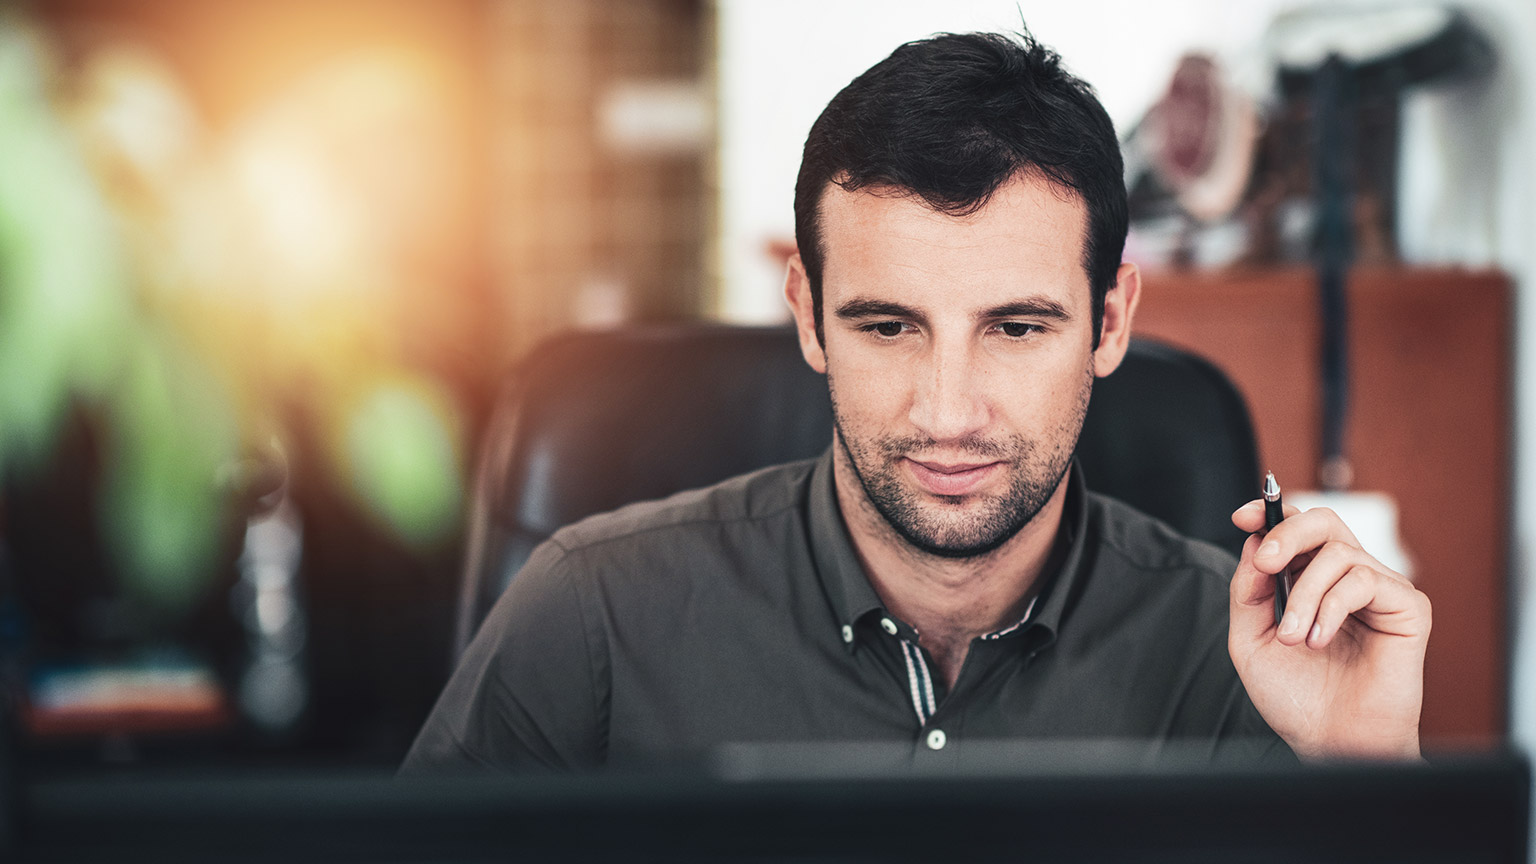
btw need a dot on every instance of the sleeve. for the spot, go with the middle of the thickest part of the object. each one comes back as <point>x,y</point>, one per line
<point>1226,718</point>
<point>530,691</point>
<point>1215,713</point>
<point>1243,737</point>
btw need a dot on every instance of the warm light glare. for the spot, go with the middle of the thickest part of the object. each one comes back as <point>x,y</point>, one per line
<point>196,283</point>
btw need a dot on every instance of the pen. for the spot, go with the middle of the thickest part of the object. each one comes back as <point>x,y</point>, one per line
<point>1274,511</point>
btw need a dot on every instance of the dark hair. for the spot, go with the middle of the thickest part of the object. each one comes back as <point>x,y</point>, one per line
<point>953,117</point>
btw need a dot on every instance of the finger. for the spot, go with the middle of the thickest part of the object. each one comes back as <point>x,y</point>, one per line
<point>1250,516</point>
<point>1379,599</point>
<point>1250,587</point>
<point>1299,534</point>
<point>1252,607</point>
<point>1353,591</point>
<point>1310,584</point>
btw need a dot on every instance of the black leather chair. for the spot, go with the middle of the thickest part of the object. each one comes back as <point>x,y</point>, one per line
<point>595,420</point>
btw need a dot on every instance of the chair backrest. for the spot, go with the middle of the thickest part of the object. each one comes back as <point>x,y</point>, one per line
<point>595,420</point>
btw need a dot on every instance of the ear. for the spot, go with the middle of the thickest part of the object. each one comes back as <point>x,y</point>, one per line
<point>797,293</point>
<point>1119,308</point>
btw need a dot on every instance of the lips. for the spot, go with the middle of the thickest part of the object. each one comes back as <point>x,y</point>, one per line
<point>952,478</point>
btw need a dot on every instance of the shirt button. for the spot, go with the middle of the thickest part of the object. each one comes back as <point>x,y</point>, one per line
<point>888,626</point>
<point>847,633</point>
<point>936,739</point>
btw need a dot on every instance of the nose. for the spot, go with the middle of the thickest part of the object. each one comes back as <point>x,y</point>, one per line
<point>949,403</point>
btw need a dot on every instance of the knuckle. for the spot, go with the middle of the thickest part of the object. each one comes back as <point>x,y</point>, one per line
<point>1369,576</point>
<point>1333,606</point>
<point>1337,549</point>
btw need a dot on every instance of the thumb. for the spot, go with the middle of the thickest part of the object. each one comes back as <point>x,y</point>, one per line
<point>1253,599</point>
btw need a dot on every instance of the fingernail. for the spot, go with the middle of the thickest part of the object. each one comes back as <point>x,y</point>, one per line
<point>1317,630</point>
<point>1270,547</point>
<point>1288,624</point>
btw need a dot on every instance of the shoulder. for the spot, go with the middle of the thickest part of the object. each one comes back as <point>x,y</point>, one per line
<point>1139,545</point>
<point>1145,542</point>
<point>724,547</point>
<point>771,494</point>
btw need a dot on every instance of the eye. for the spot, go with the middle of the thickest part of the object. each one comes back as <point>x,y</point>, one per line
<point>887,329</point>
<point>1018,329</point>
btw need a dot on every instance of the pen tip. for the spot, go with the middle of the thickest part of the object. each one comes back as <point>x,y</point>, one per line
<point>1271,486</point>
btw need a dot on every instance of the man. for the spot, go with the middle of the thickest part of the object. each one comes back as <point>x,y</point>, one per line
<point>941,575</point>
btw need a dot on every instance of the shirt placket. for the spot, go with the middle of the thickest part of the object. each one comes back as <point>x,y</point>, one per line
<point>932,737</point>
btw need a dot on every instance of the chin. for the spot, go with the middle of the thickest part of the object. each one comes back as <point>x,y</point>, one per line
<point>941,531</point>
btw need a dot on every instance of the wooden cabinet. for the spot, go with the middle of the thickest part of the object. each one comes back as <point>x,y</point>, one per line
<point>1430,358</point>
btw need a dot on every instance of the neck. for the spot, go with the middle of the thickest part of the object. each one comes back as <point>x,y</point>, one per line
<point>948,600</point>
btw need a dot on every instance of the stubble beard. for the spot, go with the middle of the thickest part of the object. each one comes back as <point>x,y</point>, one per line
<point>942,525</point>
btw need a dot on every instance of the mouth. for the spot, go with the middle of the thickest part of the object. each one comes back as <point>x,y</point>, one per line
<point>952,478</point>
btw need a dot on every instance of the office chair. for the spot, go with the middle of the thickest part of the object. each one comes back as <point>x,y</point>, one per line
<point>595,420</point>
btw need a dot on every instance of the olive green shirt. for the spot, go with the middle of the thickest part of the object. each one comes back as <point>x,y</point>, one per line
<point>740,614</point>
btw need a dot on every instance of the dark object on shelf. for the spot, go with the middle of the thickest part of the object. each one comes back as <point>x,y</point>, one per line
<point>1356,64</point>
<point>1194,160</point>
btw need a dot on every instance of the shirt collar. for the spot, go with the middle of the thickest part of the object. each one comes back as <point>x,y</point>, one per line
<point>1057,589</point>
<point>853,597</point>
<point>841,573</point>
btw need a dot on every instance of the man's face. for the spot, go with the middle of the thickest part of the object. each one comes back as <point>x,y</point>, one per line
<point>959,353</point>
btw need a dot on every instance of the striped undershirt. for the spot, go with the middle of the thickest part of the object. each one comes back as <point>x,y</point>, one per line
<point>924,701</point>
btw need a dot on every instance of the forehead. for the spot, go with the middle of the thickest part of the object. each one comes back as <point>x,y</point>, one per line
<point>1028,239</point>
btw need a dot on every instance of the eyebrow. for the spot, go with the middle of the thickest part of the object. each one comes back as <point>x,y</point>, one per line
<point>1032,307</point>
<point>860,308</point>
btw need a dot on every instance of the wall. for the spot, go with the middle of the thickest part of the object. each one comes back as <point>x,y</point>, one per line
<point>600,200</point>
<point>780,63</point>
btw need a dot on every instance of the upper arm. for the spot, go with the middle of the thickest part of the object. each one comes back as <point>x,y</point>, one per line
<point>530,690</point>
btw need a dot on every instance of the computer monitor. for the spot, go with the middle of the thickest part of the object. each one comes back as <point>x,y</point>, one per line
<point>774,806</point>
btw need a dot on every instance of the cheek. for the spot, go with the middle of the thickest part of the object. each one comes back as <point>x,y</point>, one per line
<point>1046,395</point>
<point>865,399</point>
<point>869,384</point>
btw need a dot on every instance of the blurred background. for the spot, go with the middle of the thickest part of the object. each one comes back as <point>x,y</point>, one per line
<point>263,266</point>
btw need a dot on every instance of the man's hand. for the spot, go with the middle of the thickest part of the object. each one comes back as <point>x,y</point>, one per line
<point>1343,673</point>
